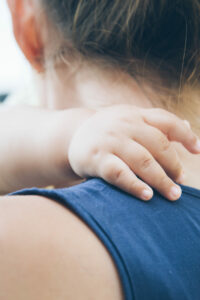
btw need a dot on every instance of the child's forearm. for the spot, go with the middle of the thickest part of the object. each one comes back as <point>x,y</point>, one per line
<point>34,147</point>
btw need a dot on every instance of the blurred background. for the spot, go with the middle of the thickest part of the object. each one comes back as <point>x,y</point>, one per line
<point>14,69</point>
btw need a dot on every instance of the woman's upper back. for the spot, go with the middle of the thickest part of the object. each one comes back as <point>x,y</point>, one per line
<point>155,245</point>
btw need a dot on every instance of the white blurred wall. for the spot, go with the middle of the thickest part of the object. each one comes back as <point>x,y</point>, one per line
<point>14,70</point>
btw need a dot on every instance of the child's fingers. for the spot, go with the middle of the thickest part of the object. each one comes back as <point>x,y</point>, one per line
<point>142,163</point>
<point>116,172</point>
<point>161,149</point>
<point>172,126</point>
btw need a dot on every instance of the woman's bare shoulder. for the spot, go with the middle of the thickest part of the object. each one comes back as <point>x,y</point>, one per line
<point>49,253</point>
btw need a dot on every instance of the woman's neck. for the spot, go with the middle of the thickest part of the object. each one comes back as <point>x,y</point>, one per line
<point>94,88</point>
<point>91,88</point>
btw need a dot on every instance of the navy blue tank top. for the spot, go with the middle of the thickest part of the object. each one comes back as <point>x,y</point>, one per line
<point>155,245</point>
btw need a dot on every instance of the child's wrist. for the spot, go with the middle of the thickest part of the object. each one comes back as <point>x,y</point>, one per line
<point>67,123</point>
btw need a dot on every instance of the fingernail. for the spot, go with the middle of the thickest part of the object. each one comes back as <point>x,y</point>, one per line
<point>147,194</point>
<point>181,178</point>
<point>175,193</point>
<point>187,123</point>
<point>197,146</point>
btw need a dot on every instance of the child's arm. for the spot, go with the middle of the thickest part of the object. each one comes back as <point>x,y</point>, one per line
<point>41,147</point>
<point>34,147</point>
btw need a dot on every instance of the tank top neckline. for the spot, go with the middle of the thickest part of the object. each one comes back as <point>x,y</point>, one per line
<point>190,190</point>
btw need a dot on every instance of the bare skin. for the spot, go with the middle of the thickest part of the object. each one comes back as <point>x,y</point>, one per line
<point>118,122</point>
<point>111,89</point>
<point>66,259</point>
<point>47,253</point>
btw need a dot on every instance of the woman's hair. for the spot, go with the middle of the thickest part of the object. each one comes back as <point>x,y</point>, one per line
<point>149,39</point>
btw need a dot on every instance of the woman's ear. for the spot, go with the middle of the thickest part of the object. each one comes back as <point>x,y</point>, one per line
<point>26,31</point>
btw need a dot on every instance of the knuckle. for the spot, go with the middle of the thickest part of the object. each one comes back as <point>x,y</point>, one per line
<point>172,124</point>
<point>108,170</point>
<point>165,143</point>
<point>160,111</point>
<point>193,139</point>
<point>111,133</point>
<point>125,119</point>
<point>118,174</point>
<point>94,152</point>
<point>163,181</point>
<point>166,113</point>
<point>146,162</point>
<point>112,173</point>
<point>186,124</point>
<point>134,186</point>
<point>177,164</point>
<point>177,170</point>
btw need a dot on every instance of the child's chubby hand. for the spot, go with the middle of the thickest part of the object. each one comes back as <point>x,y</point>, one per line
<point>122,142</point>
